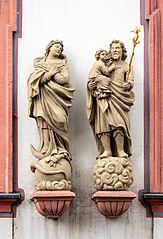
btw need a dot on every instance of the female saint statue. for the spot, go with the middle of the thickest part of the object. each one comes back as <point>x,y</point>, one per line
<point>50,96</point>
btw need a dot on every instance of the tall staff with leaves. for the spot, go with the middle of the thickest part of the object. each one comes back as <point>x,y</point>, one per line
<point>135,41</point>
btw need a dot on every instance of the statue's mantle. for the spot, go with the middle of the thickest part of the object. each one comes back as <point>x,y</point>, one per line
<point>113,204</point>
<point>52,204</point>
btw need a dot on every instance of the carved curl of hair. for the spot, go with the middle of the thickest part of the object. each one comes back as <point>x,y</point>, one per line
<point>97,54</point>
<point>124,51</point>
<point>50,44</point>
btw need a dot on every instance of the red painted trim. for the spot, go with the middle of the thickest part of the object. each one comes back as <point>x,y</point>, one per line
<point>155,97</point>
<point>8,25</point>
<point>154,182</point>
<point>6,205</point>
<point>144,14</point>
<point>16,95</point>
<point>147,8</point>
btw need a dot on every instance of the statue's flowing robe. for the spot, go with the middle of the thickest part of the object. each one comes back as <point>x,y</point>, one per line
<point>50,102</point>
<point>107,114</point>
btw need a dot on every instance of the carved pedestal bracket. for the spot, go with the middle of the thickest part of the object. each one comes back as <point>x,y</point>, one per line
<point>113,204</point>
<point>52,204</point>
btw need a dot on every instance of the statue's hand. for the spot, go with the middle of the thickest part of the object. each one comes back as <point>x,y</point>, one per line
<point>126,86</point>
<point>92,85</point>
<point>45,78</point>
<point>112,67</point>
<point>53,71</point>
<point>109,62</point>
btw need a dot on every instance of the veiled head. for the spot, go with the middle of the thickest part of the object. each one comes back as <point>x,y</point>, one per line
<point>50,44</point>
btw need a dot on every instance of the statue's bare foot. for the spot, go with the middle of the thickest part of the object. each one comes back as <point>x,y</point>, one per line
<point>105,154</point>
<point>122,154</point>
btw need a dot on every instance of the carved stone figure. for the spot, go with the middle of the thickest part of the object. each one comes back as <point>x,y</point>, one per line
<point>50,96</point>
<point>109,100</point>
<point>107,111</point>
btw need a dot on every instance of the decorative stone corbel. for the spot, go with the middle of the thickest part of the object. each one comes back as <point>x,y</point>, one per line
<point>52,204</point>
<point>113,204</point>
<point>112,177</point>
<point>50,96</point>
<point>53,184</point>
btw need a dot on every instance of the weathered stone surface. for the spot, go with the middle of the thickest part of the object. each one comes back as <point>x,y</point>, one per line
<point>113,174</point>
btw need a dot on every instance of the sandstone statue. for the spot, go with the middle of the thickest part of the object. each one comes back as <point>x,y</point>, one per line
<point>108,111</point>
<point>50,98</point>
<point>109,99</point>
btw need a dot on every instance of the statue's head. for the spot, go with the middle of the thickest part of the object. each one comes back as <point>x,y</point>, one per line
<point>100,53</point>
<point>118,50</point>
<point>49,46</point>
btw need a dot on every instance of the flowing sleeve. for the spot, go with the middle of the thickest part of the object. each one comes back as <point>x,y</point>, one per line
<point>63,76</point>
<point>33,84</point>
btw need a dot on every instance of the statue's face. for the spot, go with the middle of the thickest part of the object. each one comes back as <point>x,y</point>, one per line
<point>102,55</point>
<point>56,49</point>
<point>116,51</point>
